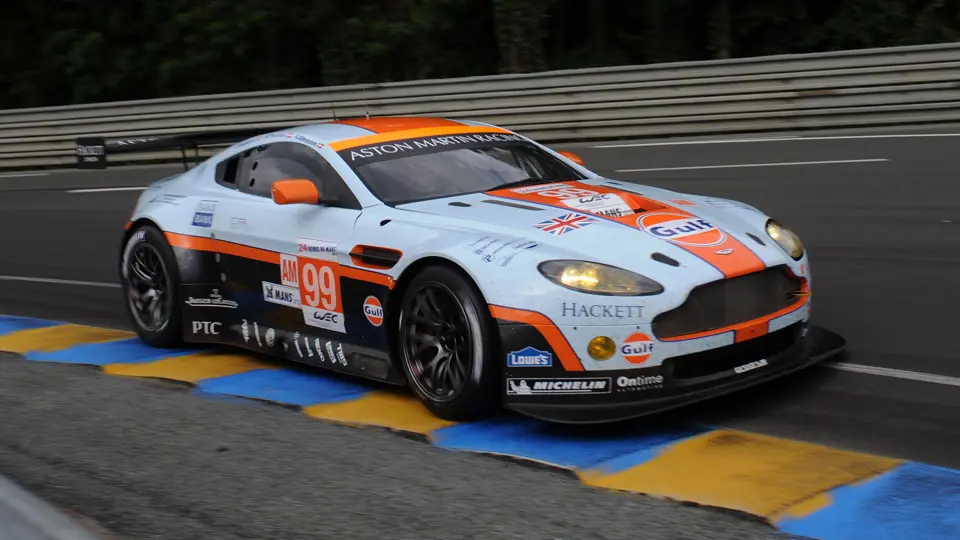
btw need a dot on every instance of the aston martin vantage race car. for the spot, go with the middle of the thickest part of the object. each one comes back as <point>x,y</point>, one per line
<point>470,263</point>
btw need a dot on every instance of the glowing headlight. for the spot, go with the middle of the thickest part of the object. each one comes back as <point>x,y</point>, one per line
<point>595,278</point>
<point>786,239</point>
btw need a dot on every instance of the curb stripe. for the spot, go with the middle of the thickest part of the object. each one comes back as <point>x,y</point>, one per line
<point>801,488</point>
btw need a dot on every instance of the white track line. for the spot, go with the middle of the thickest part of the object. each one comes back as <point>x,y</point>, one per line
<point>102,190</point>
<point>896,373</point>
<point>743,165</point>
<point>776,139</point>
<point>23,175</point>
<point>60,281</point>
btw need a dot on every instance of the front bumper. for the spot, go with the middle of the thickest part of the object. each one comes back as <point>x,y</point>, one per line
<point>598,396</point>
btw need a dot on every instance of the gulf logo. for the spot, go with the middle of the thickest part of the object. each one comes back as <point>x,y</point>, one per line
<point>681,229</point>
<point>637,348</point>
<point>373,310</point>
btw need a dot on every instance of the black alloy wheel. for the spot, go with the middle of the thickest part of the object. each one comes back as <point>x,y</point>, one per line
<point>149,284</point>
<point>444,337</point>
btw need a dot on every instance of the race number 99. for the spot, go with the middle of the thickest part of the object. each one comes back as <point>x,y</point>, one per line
<point>320,293</point>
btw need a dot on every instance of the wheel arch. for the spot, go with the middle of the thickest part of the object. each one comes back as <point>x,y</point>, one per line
<point>403,283</point>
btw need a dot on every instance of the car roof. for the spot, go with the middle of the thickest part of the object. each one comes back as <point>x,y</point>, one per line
<point>355,128</point>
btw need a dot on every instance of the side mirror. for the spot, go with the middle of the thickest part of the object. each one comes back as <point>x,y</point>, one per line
<point>572,157</point>
<point>297,191</point>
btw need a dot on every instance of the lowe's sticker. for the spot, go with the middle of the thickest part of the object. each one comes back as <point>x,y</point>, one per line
<point>529,357</point>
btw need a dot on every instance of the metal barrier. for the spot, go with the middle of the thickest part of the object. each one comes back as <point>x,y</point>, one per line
<point>871,87</point>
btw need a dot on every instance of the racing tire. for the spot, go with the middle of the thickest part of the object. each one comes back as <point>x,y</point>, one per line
<point>446,343</point>
<point>150,284</point>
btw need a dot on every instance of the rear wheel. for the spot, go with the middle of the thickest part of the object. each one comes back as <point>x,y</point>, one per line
<point>149,281</point>
<point>445,341</point>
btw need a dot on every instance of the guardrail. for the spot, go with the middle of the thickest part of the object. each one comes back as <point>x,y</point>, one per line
<point>870,87</point>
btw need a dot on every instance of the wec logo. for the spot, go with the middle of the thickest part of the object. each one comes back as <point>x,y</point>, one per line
<point>681,229</point>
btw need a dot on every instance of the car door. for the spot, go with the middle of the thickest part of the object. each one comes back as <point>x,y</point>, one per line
<point>283,261</point>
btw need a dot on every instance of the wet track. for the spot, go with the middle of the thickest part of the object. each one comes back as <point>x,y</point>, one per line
<point>880,216</point>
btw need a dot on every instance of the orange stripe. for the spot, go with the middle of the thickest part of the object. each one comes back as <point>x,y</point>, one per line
<point>399,123</point>
<point>745,330</point>
<point>197,243</point>
<point>738,261</point>
<point>410,134</point>
<point>559,344</point>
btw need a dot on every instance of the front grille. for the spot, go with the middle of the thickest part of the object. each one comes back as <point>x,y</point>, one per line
<point>729,301</point>
<point>722,359</point>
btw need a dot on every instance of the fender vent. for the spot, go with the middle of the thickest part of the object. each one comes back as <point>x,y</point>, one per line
<point>660,257</point>
<point>755,239</point>
<point>459,203</point>
<point>376,257</point>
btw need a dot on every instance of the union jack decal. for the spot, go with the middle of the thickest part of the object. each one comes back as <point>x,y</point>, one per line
<point>564,224</point>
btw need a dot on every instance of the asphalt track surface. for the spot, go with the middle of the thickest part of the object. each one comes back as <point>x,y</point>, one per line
<point>880,216</point>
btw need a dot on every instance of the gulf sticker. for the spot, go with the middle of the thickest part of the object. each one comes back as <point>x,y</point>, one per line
<point>320,293</point>
<point>637,348</point>
<point>373,310</point>
<point>683,229</point>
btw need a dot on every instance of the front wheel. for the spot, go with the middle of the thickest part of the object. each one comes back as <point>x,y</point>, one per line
<point>447,346</point>
<point>149,282</point>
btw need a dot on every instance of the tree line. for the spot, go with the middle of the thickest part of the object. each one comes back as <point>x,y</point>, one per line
<point>59,52</point>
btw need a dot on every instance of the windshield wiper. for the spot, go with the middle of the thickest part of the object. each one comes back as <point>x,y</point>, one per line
<point>531,181</point>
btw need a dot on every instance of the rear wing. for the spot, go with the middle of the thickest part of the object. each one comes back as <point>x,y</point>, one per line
<point>92,152</point>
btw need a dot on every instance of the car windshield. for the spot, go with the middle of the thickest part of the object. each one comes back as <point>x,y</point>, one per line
<point>410,170</point>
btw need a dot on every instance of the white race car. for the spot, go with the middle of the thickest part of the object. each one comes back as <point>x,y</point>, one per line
<point>470,263</point>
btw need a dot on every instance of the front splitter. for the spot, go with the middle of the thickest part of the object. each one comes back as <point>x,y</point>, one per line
<point>819,345</point>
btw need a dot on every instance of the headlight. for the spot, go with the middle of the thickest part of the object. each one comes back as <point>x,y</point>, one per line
<point>595,278</point>
<point>786,239</point>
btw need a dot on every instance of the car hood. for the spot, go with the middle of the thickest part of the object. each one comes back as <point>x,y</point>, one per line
<point>656,232</point>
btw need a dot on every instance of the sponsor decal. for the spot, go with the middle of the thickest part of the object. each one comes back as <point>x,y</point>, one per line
<point>602,311</point>
<point>214,300</point>
<point>289,271</point>
<point>537,189</point>
<point>279,294</point>
<point>306,345</point>
<point>305,139</point>
<point>681,229</point>
<point>316,249</point>
<point>502,252</point>
<point>319,348</point>
<point>245,331</point>
<point>641,382</point>
<point>726,251</point>
<point>206,328</point>
<point>373,310</point>
<point>296,343</point>
<point>637,348</point>
<point>256,334</point>
<point>333,357</point>
<point>270,336</point>
<point>529,357</point>
<point>340,355</point>
<point>238,222</point>
<point>168,199</point>
<point>603,204</point>
<point>424,144</point>
<point>750,367</point>
<point>529,387</point>
<point>683,202</point>
<point>565,223</point>
<point>322,318</point>
<point>203,216</point>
